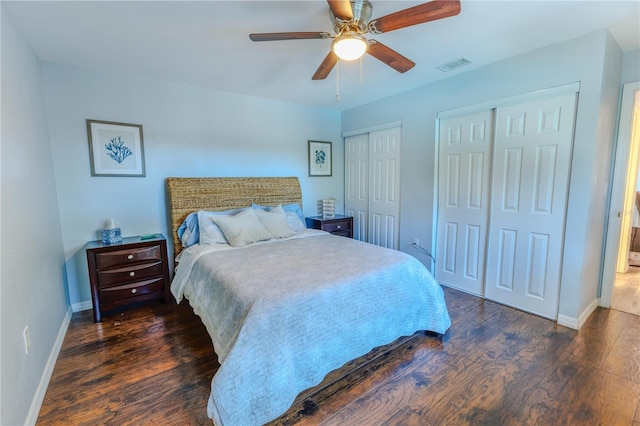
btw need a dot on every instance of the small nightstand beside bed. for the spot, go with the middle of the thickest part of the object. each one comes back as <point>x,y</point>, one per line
<point>280,319</point>
<point>128,272</point>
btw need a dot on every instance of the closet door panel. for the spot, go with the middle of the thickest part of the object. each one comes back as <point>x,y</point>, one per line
<point>463,203</point>
<point>450,241</point>
<point>472,245</point>
<point>384,200</point>
<point>357,183</point>
<point>532,158</point>
<point>511,181</point>
<point>506,258</point>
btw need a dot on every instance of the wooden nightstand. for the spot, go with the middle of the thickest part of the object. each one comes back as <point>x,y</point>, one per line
<point>337,225</point>
<point>129,272</point>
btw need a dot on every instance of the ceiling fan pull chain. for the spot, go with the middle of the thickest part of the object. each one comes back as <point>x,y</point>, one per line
<point>361,69</point>
<point>338,81</point>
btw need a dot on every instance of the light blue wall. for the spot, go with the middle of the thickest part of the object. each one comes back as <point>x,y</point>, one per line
<point>32,259</point>
<point>630,67</point>
<point>579,60</point>
<point>188,131</point>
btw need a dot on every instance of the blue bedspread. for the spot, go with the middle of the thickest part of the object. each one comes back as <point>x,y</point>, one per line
<point>285,313</point>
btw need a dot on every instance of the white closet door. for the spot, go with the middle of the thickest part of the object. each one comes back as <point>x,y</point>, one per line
<point>384,191</point>
<point>463,204</point>
<point>372,186</point>
<point>532,158</point>
<point>357,183</point>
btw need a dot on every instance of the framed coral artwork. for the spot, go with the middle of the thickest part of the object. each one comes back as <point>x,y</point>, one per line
<point>319,158</point>
<point>115,149</point>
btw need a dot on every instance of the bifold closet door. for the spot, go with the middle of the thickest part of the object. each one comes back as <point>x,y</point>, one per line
<point>532,159</point>
<point>463,200</point>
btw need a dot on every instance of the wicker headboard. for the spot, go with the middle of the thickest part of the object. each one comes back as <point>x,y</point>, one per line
<point>191,194</point>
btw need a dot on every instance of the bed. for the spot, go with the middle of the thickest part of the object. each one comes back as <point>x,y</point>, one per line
<point>283,312</point>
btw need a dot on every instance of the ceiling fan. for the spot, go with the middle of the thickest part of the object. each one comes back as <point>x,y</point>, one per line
<point>352,19</point>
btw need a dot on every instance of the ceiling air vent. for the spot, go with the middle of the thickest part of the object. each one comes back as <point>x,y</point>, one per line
<point>453,64</point>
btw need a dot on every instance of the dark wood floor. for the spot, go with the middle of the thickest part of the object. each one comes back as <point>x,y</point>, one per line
<point>153,365</point>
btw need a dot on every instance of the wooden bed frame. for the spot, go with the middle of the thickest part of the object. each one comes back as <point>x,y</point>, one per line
<point>187,194</point>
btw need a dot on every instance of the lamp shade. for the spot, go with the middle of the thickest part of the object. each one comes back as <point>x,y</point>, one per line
<point>349,47</point>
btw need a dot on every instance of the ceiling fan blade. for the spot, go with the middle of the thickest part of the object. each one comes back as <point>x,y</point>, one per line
<point>341,9</point>
<point>288,36</point>
<point>389,56</point>
<point>431,11</point>
<point>326,66</point>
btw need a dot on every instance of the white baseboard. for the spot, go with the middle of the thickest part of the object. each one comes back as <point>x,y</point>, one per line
<point>576,323</point>
<point>36,403</point>
<point>568,321</point>
<point>82,306</point>
<point>587,312</point>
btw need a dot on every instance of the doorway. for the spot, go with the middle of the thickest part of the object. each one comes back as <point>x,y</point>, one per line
<point>621,265</point>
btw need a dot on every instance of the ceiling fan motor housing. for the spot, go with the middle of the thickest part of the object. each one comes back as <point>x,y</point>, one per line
<point>362,10</point>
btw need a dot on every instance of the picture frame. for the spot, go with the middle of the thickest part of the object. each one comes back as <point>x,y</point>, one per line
<point>320,158</point>
<point>115,149</point>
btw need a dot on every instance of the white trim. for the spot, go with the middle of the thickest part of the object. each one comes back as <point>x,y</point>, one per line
<point>436,183</point>
<point>36,403</point>
<point>576,323</point>
<point>584,316</point>
<point>82,306</point>
<point>552,91</point>
<point>464,290</point>
<point>568,322</point>
<point>377,128</point>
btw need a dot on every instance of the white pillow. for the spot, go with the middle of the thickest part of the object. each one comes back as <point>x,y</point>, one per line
<point>294,221</point>
<point>210,233</point>
<point>275,221</point>
<point>243,228</point>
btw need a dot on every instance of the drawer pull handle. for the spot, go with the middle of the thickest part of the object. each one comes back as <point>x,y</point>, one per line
<point>130,257</point>
<point>132,274</point>
<point>339,226</point>
<point>134,290</point>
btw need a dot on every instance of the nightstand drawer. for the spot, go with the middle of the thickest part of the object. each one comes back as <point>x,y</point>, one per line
<point>129,273</point>
<point>126,257</point>
<point>135,289</point>
<point>337,226</point>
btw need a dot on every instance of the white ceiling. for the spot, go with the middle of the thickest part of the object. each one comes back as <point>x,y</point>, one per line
<point>206,43</point>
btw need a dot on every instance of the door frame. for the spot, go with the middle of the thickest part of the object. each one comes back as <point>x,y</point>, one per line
<point>619,175</point>
<point>371,129</point>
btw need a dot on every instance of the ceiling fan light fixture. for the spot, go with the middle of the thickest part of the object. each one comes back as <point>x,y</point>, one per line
<point>349,47</point>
